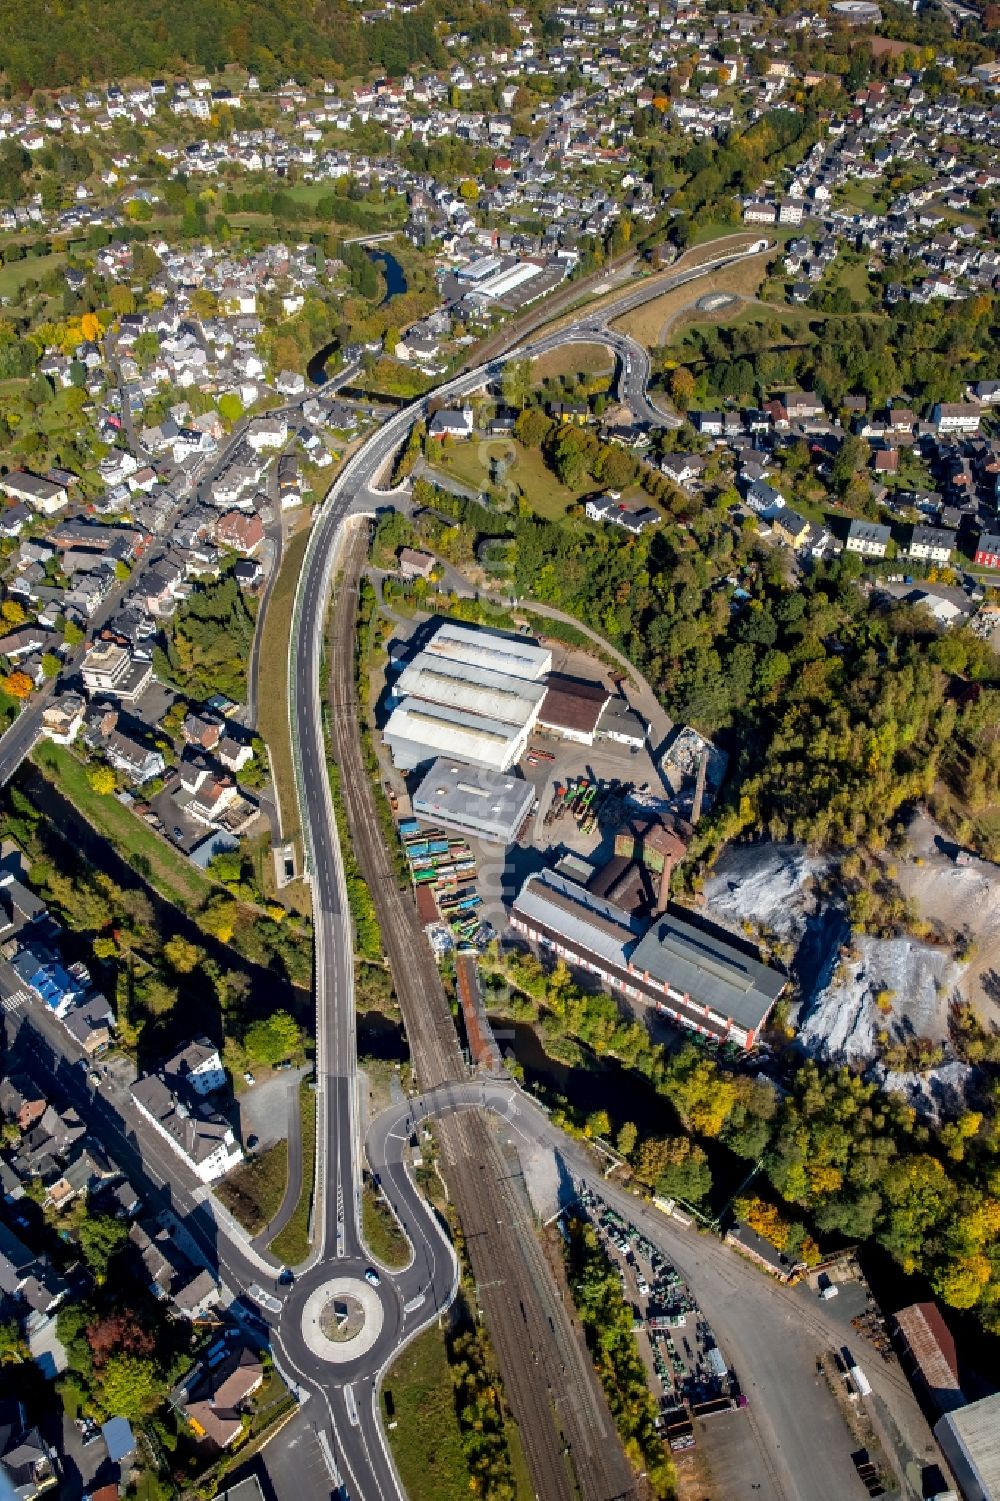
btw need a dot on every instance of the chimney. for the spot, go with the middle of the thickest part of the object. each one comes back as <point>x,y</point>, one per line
<point>699,789</point>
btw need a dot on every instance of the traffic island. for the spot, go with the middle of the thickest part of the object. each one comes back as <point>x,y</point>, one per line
<point>342,1319</point>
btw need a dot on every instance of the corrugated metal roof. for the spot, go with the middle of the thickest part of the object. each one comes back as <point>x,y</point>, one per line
<point>517,656</point>
<point>494,695</point>
<point>586,921</point>
<point>978,1429</point>
<point>932,1346</point>
<point>712,971</point>
<point>418,731</point>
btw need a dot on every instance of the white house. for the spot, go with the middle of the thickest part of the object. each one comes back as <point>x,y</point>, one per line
<point>451,424</point>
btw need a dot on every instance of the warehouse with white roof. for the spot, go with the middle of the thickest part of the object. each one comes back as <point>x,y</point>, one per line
<point>476,689</point>
<point>474,695</point>
<point>516,655</point>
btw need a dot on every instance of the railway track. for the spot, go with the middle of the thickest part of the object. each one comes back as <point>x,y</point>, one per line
<point>569,1438</point>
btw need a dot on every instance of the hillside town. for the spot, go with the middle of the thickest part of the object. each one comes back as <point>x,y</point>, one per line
<point>637,369</point>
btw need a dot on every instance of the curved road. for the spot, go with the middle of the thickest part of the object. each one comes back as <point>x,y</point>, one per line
<point>409,1300</point>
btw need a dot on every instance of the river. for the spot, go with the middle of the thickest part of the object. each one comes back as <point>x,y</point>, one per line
<point>395,285</point>
<point>605,1084</point>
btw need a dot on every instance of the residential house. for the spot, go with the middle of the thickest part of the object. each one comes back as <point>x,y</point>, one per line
<point>451,423</point>
<point>113,670</point>
<point>63,716</point>
<point>801,405</point>
<point>196,1132</point>
<point>21,1101</point>
<point>28,1466</point>
<point>138,762</point>
<point>791,528</point>
<point>213,1397</point>
<point>244,534</point>
<point>169,1275</point>
<point>931,544</point>
<point>868,538</point>
<point>987,553</point>
<point>414,564</point>
<point>42,495</point>
<point>956,416</point>
<point>91,1023</point>
<point>197,1067</point>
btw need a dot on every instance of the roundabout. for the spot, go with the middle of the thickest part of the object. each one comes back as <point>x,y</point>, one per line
<point>342,1319</point>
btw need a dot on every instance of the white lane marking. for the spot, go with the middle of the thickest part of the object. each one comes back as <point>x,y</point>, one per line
<point>415,1303</point>
<point>351,1405</point>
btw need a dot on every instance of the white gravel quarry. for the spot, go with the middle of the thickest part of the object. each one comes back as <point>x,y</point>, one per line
<point>773,889</point>
<point>842,1021</point>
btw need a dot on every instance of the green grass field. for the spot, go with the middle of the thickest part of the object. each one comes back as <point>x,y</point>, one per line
<point>426,1441</point>
<point>272,686</point>
<point>467,461</point>
<point>253,1193</point>
<point>173,876</point>
<point>292,1245</point>
<point>381,1232</point>
<point>33,268</point>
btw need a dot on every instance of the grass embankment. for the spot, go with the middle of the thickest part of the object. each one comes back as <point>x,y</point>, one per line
<point>253,1193</point>
<point>426,1441</point>
<point>272,687</point>
<point>573,359</point>
<point>420,1396</point>
<point>292,1244</point>
<point>650,324</point>
<point>381,1231</point>
<point>170,873</point>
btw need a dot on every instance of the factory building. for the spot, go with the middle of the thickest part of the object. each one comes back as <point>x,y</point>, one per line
<point>572,708</point>
<point>474,801</point>
<point>970,1442</point>
<point>692,972</point>
<point>418,731</point>
<point>470,695</point>
<point>516,655</point>
<point>477,690</point>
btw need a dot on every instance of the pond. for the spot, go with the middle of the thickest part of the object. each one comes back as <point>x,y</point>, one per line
<point>381,1037</point>
<point>395,285</point>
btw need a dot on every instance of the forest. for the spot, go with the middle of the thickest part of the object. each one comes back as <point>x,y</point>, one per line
<point>929,350</point>
<point>844,1161</point>
<point>96,39</point>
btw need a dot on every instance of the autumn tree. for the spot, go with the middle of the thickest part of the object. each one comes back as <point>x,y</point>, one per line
<point>682,387</point>
<point>102,780</point>
<point>18,685</point>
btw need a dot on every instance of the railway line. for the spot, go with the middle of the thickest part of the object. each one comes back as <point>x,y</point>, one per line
<point>569,1438</point>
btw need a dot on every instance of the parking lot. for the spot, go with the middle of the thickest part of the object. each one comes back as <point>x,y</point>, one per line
<point>689,1374</point>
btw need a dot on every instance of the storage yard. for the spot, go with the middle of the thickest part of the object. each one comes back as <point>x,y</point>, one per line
<point>688,1374</point>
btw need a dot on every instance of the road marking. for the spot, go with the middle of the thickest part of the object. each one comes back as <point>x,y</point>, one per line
<point>12,1002</point>
<point>415,1303</point>
<point>352,1406</point>
<point>327,1452</point>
